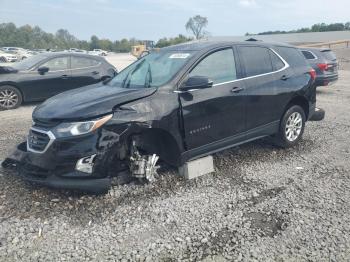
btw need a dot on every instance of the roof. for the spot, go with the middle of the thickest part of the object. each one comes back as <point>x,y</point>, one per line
<point>293,38</point>
<point>210,43</point>
<point>53,54</point>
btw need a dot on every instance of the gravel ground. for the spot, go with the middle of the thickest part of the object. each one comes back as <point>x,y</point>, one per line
<point>262,203</point>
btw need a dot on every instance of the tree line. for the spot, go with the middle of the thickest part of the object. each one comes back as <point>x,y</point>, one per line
<point>35,38</point>
<point>321,27</point>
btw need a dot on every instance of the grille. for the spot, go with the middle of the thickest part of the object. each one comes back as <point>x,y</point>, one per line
<point>38,141</point>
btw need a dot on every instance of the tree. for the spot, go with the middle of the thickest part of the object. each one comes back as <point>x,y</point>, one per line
<point>196,25</point>
<point>163,42</point>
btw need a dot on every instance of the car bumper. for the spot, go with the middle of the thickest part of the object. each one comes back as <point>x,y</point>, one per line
<point>318,115</point>
<point>326,80</point>
<point>56,167</point>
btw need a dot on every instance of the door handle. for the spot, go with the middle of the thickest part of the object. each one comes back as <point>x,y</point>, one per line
<point>237,89</point>
<point>64,76</point>
<point>284,78</point>
<point>95,72</point>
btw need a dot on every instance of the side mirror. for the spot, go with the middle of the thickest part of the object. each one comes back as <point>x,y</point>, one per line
<point>42,70</point>
<point>196,82</point>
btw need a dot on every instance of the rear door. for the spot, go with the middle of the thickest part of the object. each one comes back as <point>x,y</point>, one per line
<point>85,71</point>
<point>263,71</point>
<point>216,113</point>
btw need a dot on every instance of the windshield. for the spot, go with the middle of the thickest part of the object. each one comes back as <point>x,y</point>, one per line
<point>153,70</point>
<point>28,62</point>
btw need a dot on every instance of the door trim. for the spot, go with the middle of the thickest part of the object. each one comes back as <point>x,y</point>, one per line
<point>232,141</point>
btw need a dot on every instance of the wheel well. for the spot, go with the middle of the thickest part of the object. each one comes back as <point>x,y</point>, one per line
<point>160,142</point>
<point>300,101</point>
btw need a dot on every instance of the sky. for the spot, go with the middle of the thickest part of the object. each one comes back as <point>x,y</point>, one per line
<point>154,19</point>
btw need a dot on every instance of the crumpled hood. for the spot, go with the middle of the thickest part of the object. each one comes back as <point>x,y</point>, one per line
<point>87,102</point>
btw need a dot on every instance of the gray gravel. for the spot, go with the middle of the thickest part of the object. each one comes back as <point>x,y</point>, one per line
<point>262,203</point>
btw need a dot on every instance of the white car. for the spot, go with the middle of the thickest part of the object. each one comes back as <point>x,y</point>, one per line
<point>98,52</point>
<point>7,57</point>
<point>20,53</point>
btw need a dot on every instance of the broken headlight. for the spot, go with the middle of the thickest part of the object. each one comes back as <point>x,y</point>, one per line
<point>79,128</point>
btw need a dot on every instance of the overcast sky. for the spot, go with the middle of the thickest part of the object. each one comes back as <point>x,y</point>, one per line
<point>153,19</point>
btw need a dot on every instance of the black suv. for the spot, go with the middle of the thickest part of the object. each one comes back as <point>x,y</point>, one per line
<point>177,103</point>
<point>324,62</point>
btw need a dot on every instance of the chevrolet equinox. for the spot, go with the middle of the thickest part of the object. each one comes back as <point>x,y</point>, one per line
<point>177,104</point>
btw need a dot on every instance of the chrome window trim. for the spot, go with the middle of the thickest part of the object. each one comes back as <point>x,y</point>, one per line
<point>286,65</point>
<point>50,135</point>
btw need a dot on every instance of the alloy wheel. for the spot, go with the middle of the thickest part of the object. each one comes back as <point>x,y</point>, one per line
<point>294,126</point>
<point>8,98</point>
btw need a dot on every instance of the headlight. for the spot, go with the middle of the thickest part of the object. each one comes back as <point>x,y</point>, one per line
<point>79,128</point>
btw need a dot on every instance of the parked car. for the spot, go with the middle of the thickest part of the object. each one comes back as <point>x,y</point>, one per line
<point>19,52</point>
<point>325,64</point>
<point>179,103</point>
<point>7,57</point>
<point>76,50</point>
<point>44,75</point>
<point>98,52</point>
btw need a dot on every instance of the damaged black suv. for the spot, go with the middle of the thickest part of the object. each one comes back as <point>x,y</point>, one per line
<point>177,104</point>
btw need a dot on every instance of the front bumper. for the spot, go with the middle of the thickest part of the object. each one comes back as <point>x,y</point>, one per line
<point>56,166</point>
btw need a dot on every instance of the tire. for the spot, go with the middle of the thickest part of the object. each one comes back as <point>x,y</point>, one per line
<point>291,127</point>
<point>3,59</point>
<point>10,97</point>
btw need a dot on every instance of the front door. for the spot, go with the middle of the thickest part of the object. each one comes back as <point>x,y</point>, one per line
<point>215,113</point>
<point>50,83</point>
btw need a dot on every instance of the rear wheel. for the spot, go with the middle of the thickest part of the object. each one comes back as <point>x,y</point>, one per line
<point>291,127</point>
<point>3,59</point>
<point>10,97</point>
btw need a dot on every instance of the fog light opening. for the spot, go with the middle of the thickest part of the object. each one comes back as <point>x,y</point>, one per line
<point>85,164</point>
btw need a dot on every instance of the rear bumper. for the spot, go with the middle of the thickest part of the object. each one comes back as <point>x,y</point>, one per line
<point>326,80</point>
<point>318,115</point>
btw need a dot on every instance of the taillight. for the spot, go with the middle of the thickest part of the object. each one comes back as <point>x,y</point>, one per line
<point>323,67</point>
<point>312,73</point>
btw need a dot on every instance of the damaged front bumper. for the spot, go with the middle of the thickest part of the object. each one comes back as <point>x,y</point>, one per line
<point>61,164</point>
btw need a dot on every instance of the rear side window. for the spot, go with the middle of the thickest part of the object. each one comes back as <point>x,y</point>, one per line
<point>256,60</point>
<point>81,62</point>
<point>293,56</point>
<point>328,54</point>
<point>308,55</point>
<point>277,63</point>
<point>219,67</point>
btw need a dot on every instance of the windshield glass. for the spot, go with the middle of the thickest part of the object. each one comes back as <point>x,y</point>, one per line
<point>28,62</point>
<point>152,70</point>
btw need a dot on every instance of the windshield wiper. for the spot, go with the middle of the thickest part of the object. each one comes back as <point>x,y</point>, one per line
<point>148,79</point>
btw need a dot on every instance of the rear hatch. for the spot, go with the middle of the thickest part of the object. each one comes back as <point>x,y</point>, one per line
<point>331,60</point>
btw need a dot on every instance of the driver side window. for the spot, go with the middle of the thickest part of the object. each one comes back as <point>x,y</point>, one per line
<point>58,63</point>
<point>219,66</point>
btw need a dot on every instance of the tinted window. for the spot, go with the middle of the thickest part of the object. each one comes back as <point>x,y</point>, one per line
<point>308,55</point>
<point>81,62</point>
<point>276,61</point>
<point>59,63</point>
<point>328,54</point>
<point>219,67</point>
<point>293,56</point>
<point>256,60</point>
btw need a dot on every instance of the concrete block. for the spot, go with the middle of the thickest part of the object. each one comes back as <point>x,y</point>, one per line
<point>197,168</point>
